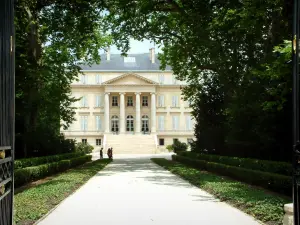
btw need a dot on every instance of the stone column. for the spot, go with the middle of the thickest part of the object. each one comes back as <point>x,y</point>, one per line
<point>122,112</point>
<point>106,112</point>
<point>153,113</point>
<point>137,112</point>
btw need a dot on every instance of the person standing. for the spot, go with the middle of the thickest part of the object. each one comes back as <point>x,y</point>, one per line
<point>101,153</point>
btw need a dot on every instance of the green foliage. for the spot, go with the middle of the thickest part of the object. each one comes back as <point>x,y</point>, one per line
<point>275,182</point>
<point>28,162</point>
<point>85,148</point>
<point>52,39</point>
<point>179,146</point>
<point>282,168</point>
<point>28,174</point>
<point>262,205</point>
<point>170,148</point>
<point>49,194</point>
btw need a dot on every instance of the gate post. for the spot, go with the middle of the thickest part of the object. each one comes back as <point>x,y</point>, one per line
<point>7,110</point>
<point>296,143</point>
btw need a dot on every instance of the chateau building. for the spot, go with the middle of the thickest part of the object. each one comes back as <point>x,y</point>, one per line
<point>129,104</point>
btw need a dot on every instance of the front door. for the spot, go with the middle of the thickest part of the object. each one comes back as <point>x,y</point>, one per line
<point>145,124</point>
<point>115,124</point>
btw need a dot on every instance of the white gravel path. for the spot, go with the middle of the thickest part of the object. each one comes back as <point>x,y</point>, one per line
<point>133,190</point>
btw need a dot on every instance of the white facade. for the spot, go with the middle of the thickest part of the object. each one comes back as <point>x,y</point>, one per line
<point>139,103</point>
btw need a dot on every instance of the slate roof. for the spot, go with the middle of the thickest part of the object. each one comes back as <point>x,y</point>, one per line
<point>116,63</point>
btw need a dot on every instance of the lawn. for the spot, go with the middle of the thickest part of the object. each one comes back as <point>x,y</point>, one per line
<point>32,203</point>
<point>264,206</point>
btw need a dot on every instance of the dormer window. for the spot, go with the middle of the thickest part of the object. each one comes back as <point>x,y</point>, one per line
<point>129,59</point>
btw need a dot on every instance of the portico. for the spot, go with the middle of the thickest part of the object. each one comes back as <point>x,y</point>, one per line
<point>128,98</point>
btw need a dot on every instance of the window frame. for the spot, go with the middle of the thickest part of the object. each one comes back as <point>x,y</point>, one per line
<point>114,103</point>
<point>161,140</point>
<point>145,102</point>
<point>129,105</point>
<point>84,140</point>
<point>98,141</point>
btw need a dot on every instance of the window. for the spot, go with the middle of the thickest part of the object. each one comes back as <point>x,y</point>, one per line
<point>188,103</point>
<point>98,141</point>
<point>174,81</point>
<point>145,101</point>
<point>161,101</point>
<point>161,141</point>
<point>129,123</point>
<point>161,123</point>
<point>84,141</point>
<point>98,79</point>
<point>188,123</point>
<point>84,122</point>
<point>175,120</point>
<point>161,78</point>
<point>175,101</point>
<point>98,102</point>
<point>98,123</point>
<point>83,79</point>
<point>174,140</point>
<point>84,101</point>
<point>129,101</point>
<point>114,100</point>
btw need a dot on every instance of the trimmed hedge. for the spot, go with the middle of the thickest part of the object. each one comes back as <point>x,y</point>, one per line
<point>23,163</point>
<point>28,174</point>
<point>275,182</point>
<point>282,168</point>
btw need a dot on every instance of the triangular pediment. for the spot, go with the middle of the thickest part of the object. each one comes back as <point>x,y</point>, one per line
<point>130,79</point>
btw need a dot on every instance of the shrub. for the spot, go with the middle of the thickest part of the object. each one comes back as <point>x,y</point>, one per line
<point>282,168</point>
<point>84,148</point>
<point>170,148</point>
<point>276,182</point>
<point>22,163</point>
<point>28,174</point>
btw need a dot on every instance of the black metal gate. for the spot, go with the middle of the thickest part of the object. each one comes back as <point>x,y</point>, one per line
<point>7,111</point>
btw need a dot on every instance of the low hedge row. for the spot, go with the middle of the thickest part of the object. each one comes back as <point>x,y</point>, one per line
<point>23,163</point>
<point>275,182</point>
<point>282,168</point>
<point>28,174</point>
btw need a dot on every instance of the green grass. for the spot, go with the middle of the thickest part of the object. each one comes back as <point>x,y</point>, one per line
<point>264,206</point>
<point>31,204</point>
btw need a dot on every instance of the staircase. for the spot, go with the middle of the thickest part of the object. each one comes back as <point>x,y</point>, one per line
<point>131,143</point>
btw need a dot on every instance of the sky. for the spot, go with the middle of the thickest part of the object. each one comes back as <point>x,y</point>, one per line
<point>136,47</point>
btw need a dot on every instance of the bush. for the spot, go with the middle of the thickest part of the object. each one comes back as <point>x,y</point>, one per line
<point>276,182</point>
<point>22,163</point>
<point>282,168</point>
<point>28,174</point>
<point>84,148</point>
<point>170,148</point>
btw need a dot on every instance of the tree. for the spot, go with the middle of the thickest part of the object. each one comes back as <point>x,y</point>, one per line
<point>53,36</point>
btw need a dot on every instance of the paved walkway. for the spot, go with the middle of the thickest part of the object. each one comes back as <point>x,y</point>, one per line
<point>137,191</point>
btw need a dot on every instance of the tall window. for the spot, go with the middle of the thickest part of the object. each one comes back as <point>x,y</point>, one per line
<point>98,123</point>
<point>188,123</point>
<point>145,123</point>
<point>174,81</point>
<point>98,101</point>
<point>145,101</point>
<point>129,123</point>
<point>84,101</point>
<point>114,100</point>
<point>175,120</point>
<point>84,123</point>
<point>175,101</point>
<point>161,101</point>
<point>98,79</point>
<point>83,79</point>
<point>129,101</point>
<point>84,141</point>
<point>161,78</point>
<point>161,123</point>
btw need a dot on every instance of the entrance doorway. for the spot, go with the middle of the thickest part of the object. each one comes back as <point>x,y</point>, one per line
<point>115,124</point>
<point>145,124</point>
<point>129,124</point>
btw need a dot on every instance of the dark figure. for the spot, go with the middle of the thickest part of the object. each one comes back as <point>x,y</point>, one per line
<point>101,153</point>
<point>109,153</point>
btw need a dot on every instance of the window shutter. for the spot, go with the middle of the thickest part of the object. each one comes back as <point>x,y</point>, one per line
<point>85,101</point>
<point>173,101</point>
<point>161,101</point>
<point>98,123</point>
<point>98,100</point>
<point>177,122</point>
<point>161,123</point>
<point>82,101</point>
<point>176,101</point>
<point>188,122</point>
<point>173,122</point>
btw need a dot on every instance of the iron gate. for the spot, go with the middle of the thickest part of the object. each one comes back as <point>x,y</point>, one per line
<point>7,74</point>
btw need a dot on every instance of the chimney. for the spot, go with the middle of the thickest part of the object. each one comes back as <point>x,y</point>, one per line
<point>108,54</point>
<point>152,55</point>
